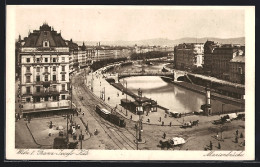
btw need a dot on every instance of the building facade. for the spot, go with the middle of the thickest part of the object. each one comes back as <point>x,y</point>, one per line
<point>73,58</point>
<point>209,47</point>
<point>188,56</point>
<point>221,60</point>
<point>44,80</point>
<point>237,70</point>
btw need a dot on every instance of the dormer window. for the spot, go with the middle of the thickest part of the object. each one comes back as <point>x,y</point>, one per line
<point>45,43</point>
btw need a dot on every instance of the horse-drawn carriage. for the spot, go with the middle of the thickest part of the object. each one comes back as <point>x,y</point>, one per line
<point>171,143</point>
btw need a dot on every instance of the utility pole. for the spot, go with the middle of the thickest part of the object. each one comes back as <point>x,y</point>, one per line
<point>92,82</point>
<point>126,98</point>
<point>223,108</point>
<point>71,95</point>
<point>67,129</point>
<point>104,93</point>
<point>136,138</point>
<point>81,139</point>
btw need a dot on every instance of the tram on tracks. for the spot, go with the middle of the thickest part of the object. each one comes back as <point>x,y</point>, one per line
<point>111,117</point>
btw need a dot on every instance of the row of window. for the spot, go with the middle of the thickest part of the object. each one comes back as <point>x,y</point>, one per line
<point>46,60</point>
<point>46,78</point>
<point>38,88</point>
<point>38,99</point>
<point>38,69</point>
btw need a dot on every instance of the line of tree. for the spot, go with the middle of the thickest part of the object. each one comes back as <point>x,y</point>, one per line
<point>148,55</point>
<point>102,63</point>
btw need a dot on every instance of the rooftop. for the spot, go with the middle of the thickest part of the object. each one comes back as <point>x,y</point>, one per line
<point>46,33</point>
<point>240,59</point>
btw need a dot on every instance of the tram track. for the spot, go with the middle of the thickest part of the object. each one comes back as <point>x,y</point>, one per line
<point>119,136</point>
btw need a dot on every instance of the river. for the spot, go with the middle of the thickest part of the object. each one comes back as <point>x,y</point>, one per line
<point>168,95</point>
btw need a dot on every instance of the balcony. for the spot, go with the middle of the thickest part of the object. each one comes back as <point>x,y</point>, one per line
<point>46,106</point>
<point>46,93</point>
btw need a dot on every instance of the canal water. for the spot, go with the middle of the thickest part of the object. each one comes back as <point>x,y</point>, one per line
<point>171,96</point>
<point>166,94</point>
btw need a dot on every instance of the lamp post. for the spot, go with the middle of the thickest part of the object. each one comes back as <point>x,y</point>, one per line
<point>223,108</point>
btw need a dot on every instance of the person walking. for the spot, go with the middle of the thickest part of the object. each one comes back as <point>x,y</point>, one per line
<point>164,135</point>
<point>219,146</point>
<point>210,145</point>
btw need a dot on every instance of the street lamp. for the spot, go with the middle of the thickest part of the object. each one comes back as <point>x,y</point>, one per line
<point>223,108</point>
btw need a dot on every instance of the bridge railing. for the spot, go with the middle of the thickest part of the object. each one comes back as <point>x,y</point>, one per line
<point>145,73</point>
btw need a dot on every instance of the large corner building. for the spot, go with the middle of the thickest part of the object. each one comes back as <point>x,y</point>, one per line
<point>44,80</point>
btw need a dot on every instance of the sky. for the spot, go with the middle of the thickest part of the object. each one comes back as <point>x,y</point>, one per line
<point>131,23</point>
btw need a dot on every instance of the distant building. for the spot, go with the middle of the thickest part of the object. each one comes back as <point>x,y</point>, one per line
<point>209,47</point>
<point>44,71</point>
<point>221,60</point>
<point>188,56</point>
<point>237,69</point>
<point>73,58</point>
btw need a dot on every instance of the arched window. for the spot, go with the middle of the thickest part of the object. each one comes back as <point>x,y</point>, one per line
<point>45,43</point>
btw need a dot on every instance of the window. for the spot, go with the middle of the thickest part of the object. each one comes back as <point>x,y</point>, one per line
<point>38,89</point>
<point>38,60</point>
<point>45,44</point>
<point>38,69</point>
<point>28,60</point>
<point>38,78</point>
<point>28,90</point>
<point>37,99</point>
<point>63,58</point>
<point>240,70</point>
<point>27,69</point>
<point>63,87</point>
<point>45,98</point>
<point>54,68</point>
<point>54,88</point>
<point>62,68</point>
<point>63,77</point>
<point>46,77</point>
<point>55,98</point>
<point>28,99</point>
<point>54,77</point>
<point>63,97</point>
<point>46,60</point>
<point>54,60</point>
<point>28,79</point>
<point>46,69</point>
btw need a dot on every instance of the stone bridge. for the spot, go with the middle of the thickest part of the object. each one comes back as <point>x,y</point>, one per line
<point>174,75</point>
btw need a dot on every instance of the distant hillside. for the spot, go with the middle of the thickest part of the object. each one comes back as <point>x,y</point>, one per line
<point>167,42</point>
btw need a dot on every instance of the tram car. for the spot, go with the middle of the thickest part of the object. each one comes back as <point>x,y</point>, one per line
<point>107,115</point>
<point>103,112</point>
<point>117,120</point>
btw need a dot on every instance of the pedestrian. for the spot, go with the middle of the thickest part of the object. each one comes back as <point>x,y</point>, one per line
<point>241,135</point>
<point>170,124</point>
<point>160,119</point>
<point>236,139</point>
<point>83,113</point>
<point>237,132</point>
<point>217,135</point>
<point>131,117</point>
<point>162,123</point>
<point>210,145</point>
<point>219,146</point>
<point>148,120</point>
<point>164,135</point>
<point>165,116</point>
